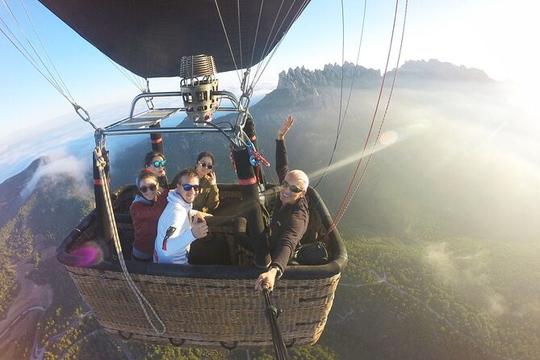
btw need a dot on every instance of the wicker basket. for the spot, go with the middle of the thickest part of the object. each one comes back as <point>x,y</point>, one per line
<point>212,305</point>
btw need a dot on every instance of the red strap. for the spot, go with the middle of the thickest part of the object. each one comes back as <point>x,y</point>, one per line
<point>98,182</point>
<point>164,246</point>
<point>249,181</point>
<point>157,141</point>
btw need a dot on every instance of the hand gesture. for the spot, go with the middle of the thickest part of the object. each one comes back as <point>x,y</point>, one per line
<point>212,177</point>
<point>285,127</point>
<point>266,280</point>
<point>202,214</point>
<point>199,228</point>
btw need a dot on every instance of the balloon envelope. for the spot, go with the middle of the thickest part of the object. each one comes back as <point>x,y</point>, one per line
<point>149,37</point>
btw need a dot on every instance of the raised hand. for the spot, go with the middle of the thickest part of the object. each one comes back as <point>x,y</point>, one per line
<point>285,127</point>
<point>212,177</point>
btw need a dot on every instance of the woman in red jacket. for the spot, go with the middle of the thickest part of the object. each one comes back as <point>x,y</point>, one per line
<point>145,212</point>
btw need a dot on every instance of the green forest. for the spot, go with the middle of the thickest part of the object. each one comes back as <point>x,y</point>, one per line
<point>443,247</point>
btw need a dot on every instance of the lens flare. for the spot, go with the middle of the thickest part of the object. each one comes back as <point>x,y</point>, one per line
<point>88,255</point>
<point>388,138</point>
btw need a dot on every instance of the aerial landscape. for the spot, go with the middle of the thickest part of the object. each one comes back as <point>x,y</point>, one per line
<point>440,230</point>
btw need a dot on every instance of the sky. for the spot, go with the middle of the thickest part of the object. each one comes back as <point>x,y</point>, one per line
<point>490,35</point>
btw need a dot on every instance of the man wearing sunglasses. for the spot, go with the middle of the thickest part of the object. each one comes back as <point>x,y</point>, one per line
<point>180,225</point>
<point>290,216</point>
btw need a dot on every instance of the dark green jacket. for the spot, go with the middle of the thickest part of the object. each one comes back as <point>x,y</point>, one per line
<point>208,198</point>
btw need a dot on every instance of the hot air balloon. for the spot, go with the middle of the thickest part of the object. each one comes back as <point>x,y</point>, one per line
<point>195,305</point>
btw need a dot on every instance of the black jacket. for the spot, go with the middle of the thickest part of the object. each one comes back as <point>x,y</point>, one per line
<point>289,222</point>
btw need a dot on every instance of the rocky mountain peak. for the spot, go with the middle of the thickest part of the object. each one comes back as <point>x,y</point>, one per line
<point>309,82</point>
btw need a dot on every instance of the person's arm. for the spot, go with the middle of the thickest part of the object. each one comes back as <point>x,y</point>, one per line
<point>282,167</point>
<point>282,250</point>
<point>182,235</point>
<point>213,194</point>
<point>284,246</point>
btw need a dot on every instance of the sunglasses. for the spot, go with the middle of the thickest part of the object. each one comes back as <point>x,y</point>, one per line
<point>151,187</point>
<point>293,188</point>
<point>159,163</point>
<point>208,166</point>
<point>188,187</point>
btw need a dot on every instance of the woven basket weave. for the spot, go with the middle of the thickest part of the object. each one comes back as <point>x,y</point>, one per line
<point>207,312</point>
<point>206,305</point>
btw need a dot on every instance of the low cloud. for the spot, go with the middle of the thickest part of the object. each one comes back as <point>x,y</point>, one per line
<point>468,274</point>
<point>60,164</point>
<point>441,261</point>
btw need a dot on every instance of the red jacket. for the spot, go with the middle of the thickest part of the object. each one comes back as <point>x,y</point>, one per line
<point>145,216</point>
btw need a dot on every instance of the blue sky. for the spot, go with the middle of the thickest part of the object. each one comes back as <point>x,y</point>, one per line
<point>491,35</point>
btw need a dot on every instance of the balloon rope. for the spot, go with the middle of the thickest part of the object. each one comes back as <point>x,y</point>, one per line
<point>239,33</point>
<point>300,9</point>
<point>385,110</point>
<point>141,299</point>
<point>340,119</point>
<point>255,39</point>
<point>61,81</point>
<point>357,60</point>
<point>37,61</point>
<point>228,42</point>
<point>350,193</point>
<point>267,40</point>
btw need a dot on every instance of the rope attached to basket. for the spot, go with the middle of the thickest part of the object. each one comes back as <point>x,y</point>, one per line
<point>143,302</point>
<point>272,313</point>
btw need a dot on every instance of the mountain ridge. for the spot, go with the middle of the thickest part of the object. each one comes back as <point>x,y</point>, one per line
<point>309,81</point>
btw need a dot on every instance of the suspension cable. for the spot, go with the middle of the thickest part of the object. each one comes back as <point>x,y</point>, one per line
<point>349,193</point>
<point>267,39</point>
<point>135,80</point>
<point>355,74</point>
<point>300,9</point>
<point>385,111</point>
<point>24,52</point>
<point>255,39</point>
<point>239,32</point>
<point>339,125</point>
<point>36,57</point>
<point>141,299</point>
<point>357,61</point>
<point>228,42</point>
<point>32,26</point>
<point>37,61</point>
<point>259,72</point>
<point>341,208</point>
<point>217,127</point>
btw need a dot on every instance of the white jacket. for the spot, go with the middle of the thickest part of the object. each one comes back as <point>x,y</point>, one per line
<point>177,214</point>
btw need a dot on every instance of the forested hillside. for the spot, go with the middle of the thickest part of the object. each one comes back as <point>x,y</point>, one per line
<point>443,245</point>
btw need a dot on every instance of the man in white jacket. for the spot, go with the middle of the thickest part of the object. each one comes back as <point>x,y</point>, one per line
<point>179,225</point>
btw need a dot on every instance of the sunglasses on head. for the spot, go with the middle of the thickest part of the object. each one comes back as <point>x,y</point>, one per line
<point>159,163</point>
<point>293,188</point>
<point>188,187</point>
<point>151,187</point>
<point>208,166</point>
